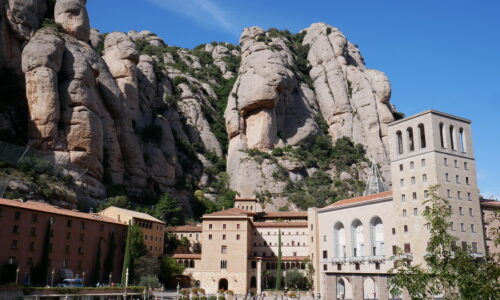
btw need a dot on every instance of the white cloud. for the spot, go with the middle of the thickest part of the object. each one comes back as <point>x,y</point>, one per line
<point>204,12</point>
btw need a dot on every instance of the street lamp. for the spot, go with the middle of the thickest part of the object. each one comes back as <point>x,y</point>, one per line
<point>52,279</point>
<point>126,278</point>
<point>110,277</point>
<point>17,273</point>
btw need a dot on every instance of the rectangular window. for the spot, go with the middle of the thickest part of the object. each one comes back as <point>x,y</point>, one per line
<point>393,230</point>
<point>452,226</point>
<point>223,249</point>
<point>447,177</point>
<point>357,266</point>
<point>403,198</point>
<point>464,245</point>
<point>394,249</point>
<point>448,191</point>
<point>223,236</point>
<point>426,193</point>
<point>237,236</point>
<point>13,245</point>
<point>405,227</point>
<point>470,212</point>
<point>412,165</point>
<point>472,228</point>
<point>460,210</point>
<point>339,267</point>
<point>424,178</point>
<point>15,229</point>
<point>209,226</point>
<point>422,162</point>
<point>414,195</point>
<point>407,248</point>
<point>33,231</point>
<point>457,179</point>
<point>467,180</point>
<point>415,211</point>
<point>462,227</point>
<point>445,161</point>
<point>223,226</point>
<point>456,163</point>
<point>325,254</point>
<point>474,247</point>
<point>377,266</point>
<point>223,264</point>
<point>325,267</point>
<point>402,182</point>
<point>459,195</point>
<point>17,215</point>
<point>469,197</point>
<point>209,236</point>
<point>400,167</point>
<point>404,212</point>
<point>237,226</point>
<point>413,180</point>
<point>465,166</point>
<point>68,223</point>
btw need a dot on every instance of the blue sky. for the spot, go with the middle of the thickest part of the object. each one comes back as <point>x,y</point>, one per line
<point>443,55</point>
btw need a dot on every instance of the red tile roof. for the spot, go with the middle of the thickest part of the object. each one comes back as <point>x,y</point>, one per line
<point>285,258</point>
<point>279,224</point>
<point>360,199</point>
<point>232,212</point>
<point>45,207</point>
<point>187,255</point>
<point>246,199</point>
<point>283,214</point>
<point>490,203</point>
<point>185,228</point>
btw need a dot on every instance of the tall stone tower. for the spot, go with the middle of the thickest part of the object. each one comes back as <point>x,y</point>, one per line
<point>434,148</point>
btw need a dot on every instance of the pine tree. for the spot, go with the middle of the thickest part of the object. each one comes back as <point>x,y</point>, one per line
<point>40,271</point>
<point>127,256</point>
<point>108,262</point>
<point>278,268</point>
<point>134,249</point>
<point>97,266</point>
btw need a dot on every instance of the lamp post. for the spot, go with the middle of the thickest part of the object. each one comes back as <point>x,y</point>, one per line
<point>17,273</point>
<point>126,278</point>
<point>52,279</point>
<point>83,279</point>
<point>110,277</point>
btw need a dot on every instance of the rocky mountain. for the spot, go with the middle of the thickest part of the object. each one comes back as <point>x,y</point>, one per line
<point>127,113</point>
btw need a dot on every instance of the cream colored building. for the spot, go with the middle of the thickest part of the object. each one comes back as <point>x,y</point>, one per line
<point>491,221</point>
<point>358,237</point>
<point>153,229</point>
<point>240,247</point>
<point>353,243</point>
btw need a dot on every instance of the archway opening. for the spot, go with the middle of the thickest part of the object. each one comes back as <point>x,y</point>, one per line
<point>223,284</point>
<point>253,282</point>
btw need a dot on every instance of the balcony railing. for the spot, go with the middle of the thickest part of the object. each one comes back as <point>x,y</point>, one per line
<point>355,259</point>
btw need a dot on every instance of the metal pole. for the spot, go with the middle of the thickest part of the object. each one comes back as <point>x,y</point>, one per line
<point>126,278</point>
<point>52,280</point>
<point>17,273</point>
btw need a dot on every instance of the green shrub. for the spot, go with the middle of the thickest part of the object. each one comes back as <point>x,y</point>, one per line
<point>212,297</point>
<point>277,151</point>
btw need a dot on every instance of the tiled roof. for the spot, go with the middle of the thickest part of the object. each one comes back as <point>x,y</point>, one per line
<point>187,255</point>
<point>490,203</point>
<point>279,224</point>
<point>232,212</point>
<point>135,214</point>
<point>285,258</point>
<point>185,228</point>
<point>45,207</point>
<point>246,199</point>
<point>360,199</point>
<point>283,214</point>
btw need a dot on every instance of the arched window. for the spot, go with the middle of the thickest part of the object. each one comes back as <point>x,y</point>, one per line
<point>452,137</point>
<point>377,236</point>
<point>441,135</point>
<point>357,238</point>
<point>463,144</point>
<point>399,136</point>
<point>339,240</point>
<point>421,132</point>
<point>411,143</point>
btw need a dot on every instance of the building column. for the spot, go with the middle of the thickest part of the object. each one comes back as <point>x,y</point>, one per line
<point>259,276</point>
<point>382,288</point>
<point>357,287</point>
<point>330,287</point>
